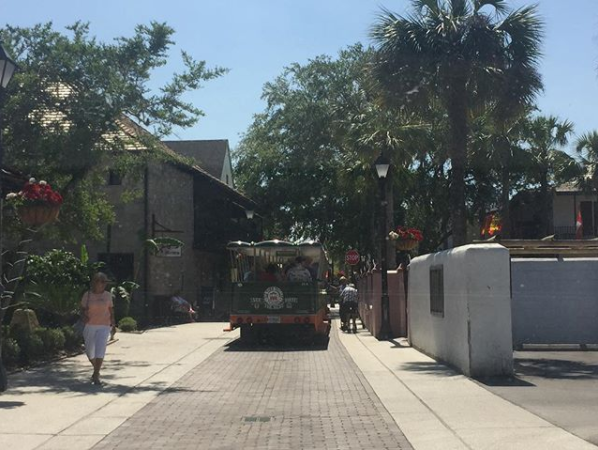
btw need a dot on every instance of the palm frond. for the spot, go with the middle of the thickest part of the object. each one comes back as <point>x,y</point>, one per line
<point>460,8</point>
<point>587,144</point>
<point>420,5</point>
<point>523,33</point>
<point>500,6</point>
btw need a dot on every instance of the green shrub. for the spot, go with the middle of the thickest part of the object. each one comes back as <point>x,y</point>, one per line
<point>53,340</point>
<point>121,307</point>
<point>122,298</point>
<point>10,351</point>
<point>56,280</point>
<point>127,324</point>
<point>32,346</point>
<point>71,340</point>
<point>20,334</point>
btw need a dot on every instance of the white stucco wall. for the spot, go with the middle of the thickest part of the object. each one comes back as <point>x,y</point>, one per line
<point>564,208</point>
<point>474,335</point>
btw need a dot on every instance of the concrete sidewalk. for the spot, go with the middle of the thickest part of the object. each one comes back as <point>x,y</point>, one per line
<point>56,406</point>
<point>437,408</point>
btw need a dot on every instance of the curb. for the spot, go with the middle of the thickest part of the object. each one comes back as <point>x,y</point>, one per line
<point>557,347</point>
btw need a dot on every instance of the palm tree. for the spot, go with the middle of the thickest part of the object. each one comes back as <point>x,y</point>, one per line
<point>587,148</point>
<point>460,53</point>
<point>545,137</point>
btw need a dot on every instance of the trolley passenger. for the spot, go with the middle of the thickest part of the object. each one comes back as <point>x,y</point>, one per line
<point>298,272</point>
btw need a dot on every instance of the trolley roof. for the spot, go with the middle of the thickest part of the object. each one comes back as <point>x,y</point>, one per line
<point>277,247</point>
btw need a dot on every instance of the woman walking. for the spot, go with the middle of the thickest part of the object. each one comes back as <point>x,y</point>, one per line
<point>98,310</point>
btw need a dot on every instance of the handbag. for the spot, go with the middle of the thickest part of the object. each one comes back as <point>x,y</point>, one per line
<point>80,324</point>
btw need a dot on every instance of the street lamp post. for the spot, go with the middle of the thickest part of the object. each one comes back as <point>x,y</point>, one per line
<point>250,213</point>
<point>7,69</point>
<point>382,165</point>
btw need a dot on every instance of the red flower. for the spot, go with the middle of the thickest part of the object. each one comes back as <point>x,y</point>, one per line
<point>405,233</point>
<point>35,193</point>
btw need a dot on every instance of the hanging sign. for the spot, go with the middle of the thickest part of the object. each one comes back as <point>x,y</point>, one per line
<point>168,251</point>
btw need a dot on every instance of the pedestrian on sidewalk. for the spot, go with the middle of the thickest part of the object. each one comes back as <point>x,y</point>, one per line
<point>180,305</point>
<point>97,308</point>
<point>349,300</point>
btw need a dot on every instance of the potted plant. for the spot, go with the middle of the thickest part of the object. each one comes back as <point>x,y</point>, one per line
<point>406,238</point>
<point>37,203</point>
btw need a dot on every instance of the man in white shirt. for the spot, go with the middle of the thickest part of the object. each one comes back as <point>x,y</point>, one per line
<point>349,307</point>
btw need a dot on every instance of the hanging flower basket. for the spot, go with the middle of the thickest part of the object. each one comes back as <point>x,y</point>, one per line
<point>37,204</point>
<point>407,244</point>
<point>406,238</point>
<point>35,215</point>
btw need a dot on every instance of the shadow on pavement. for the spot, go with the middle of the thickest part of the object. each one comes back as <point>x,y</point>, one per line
<point>290,345</point>
<point>69,376</point>
<point>430,367</point>
<point>556,368</point>
<point>11,405</point>
<point>504,382</point>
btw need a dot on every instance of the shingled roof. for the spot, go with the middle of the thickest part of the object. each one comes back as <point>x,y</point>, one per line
<point>209,154</point>
<point>136,132</point>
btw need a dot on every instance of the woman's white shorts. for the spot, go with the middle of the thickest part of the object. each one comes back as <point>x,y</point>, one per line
<point>96,339</point>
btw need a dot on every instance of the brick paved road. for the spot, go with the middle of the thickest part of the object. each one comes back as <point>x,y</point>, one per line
<point>265,398</point>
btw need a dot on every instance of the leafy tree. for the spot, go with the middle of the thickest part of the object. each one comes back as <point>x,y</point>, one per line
<point>307,159</point>
<point>290,160</point>
<point>458,53</point>
<point>70,104</point>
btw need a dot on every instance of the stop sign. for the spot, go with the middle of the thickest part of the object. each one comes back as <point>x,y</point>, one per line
<point>352,257</point>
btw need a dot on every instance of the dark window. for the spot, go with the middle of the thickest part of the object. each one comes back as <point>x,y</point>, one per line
<point>227,179</point>
<point>119,266</point>
<point>114,178</point>
<point>437,290</point>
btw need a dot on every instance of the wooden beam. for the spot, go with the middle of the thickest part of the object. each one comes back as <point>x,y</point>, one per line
<point>535,243</point>
<point>570,252</point>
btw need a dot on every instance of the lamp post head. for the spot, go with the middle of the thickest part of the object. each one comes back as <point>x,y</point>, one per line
<point>7,67</point>
<point>382,165</point>
<point>249,213</point>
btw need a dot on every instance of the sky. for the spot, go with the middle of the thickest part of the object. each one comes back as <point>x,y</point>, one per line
<point>256,39</point>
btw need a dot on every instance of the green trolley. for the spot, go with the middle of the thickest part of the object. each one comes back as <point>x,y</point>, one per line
<point>267,301</point>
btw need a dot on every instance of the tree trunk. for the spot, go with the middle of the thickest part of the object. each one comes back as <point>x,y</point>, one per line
<point>457,114</point>
<point>544,204</point>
